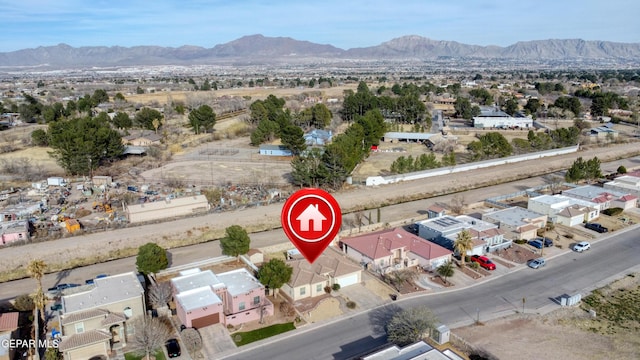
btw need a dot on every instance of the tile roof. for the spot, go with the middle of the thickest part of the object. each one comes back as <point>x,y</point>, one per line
<point>628,198</point>
<point>83,339</point>
<point>527,227</point>
<point>572,211</point>
<point>436,208</point>
<point>9,321</point>
<point>83,315</point>
<point>381,243</point>
<point>488,233</point>
<point>113,318</point>
<point>329,264</point>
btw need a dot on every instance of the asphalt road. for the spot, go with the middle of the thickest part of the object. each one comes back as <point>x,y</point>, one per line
<point>170,233</point>
<point>193,253</point>
<point>570,273</point>
<point>189,254</point>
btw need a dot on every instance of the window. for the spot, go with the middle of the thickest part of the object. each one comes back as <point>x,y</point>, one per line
<point>79,328</point>
<point>241,306</point>
<point>319,287</point>
<point>256,300</point>
<point>303,290</point>
<point>128,312</point>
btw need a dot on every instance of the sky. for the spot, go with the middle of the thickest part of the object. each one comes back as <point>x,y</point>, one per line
<point>341,23</point>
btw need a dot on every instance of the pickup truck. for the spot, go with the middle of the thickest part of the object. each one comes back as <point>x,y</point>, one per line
<point>596,227</point>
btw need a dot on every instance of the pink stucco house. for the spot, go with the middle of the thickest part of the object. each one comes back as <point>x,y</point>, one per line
<point>203,298</point>
<point>11,231</point>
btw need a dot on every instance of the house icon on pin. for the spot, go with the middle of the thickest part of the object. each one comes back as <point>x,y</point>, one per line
<point>311,214</point>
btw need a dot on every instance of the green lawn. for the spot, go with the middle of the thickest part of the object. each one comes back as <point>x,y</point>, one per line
<point>132,356</point>
<point>243,338</point>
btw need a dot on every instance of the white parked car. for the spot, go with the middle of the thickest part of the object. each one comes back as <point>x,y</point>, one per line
<point>582,246</point>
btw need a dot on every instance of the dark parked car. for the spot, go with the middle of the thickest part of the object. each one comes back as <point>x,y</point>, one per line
<point>596,227</point>
<point>173,348</point>
<point>63,286</point>
<point>547,241</point>
<point>535,243</point>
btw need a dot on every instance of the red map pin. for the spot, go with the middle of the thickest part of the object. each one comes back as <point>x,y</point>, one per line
<point>311,219</point>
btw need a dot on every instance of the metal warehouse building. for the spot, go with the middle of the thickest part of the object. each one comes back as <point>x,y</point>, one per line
<point>167,208</point>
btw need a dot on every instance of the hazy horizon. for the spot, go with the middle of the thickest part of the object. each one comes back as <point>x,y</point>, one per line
<point>34,23</point>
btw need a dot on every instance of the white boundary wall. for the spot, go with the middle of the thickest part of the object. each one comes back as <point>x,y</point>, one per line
<point>383,180</point>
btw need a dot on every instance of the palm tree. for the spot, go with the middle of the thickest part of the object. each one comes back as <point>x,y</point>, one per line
<point>445,270</point>
<point>36,269</point>
<point>463,244</point>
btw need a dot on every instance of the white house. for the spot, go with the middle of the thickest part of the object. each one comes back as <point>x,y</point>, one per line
<point>494,118</point>
<point>551,205</point>
<point>602,197</point>
<point>444,232</point>
<point>516,222</point>
<point>626,183</point>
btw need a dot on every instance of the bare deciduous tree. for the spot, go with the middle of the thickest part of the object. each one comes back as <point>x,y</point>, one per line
<point>287,309</point>
<point>358,215</point>
<point>150,333</point>
<point>160,294</point>
<point>192,341</point>
<point>457,204</point>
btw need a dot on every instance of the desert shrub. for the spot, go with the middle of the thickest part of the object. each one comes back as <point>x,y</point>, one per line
<point>613,211</point>
<point>351,304</point>
<point>336,287</point>
<point>474,265</point>
<point>569,236</point>
<point>327,289</point>
<point>621,170</point>
<point>520,241</point>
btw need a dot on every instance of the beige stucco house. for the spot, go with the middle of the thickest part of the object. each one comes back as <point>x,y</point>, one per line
<point>309,280</point>
<point>94,319</point>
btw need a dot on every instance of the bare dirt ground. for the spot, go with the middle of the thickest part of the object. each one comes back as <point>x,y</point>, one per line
<point>255,93</point>
<point>116,243</point>
<point>568,333</point>
<point>215,163</point>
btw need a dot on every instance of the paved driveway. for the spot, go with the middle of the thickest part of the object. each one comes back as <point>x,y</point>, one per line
<point>215,340</point>
<point>366,296</point>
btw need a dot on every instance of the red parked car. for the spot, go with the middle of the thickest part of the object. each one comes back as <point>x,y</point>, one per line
<point>484,262</point>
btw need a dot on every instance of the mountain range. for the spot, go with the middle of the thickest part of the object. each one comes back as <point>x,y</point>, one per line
<point>259,49</point>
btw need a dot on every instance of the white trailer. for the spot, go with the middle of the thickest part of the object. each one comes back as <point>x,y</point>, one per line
<point>56,181</point>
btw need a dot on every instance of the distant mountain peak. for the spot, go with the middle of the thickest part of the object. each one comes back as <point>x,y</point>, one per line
<point>258,48</point>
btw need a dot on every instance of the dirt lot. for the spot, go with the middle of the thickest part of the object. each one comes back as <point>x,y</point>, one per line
<point>255,93</point>
<point>568,333</point>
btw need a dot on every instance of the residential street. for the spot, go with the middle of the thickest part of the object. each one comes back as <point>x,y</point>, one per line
<point>569,274</point>
<point>167,233</point>
<point>189,254</point>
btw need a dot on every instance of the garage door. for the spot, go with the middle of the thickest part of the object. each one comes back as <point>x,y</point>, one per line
<point>205,321</point>
<point>348,280</point>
